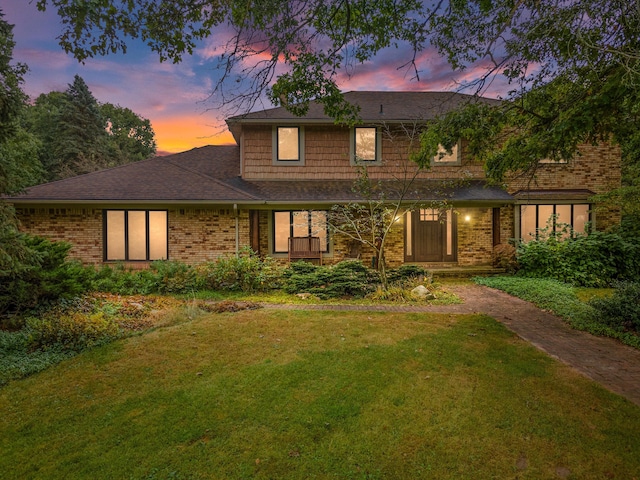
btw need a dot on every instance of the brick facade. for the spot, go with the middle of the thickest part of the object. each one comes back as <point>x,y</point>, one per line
<point>195,235</point>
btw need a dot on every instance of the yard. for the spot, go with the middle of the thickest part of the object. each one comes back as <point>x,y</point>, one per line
<point>312,394</point>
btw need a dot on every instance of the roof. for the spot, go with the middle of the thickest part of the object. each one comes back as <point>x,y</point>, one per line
<point>195,175</point>
<point>211,175</point>
<point>375,107</point>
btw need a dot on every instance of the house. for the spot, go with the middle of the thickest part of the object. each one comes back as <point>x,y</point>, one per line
<point>285,173</point>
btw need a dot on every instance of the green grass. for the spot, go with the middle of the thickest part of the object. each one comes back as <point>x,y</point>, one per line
<point>307,394</point>
<point>563,300</point>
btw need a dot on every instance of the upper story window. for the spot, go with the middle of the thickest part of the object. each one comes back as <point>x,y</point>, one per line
<point>131,235</point>
<point>445,158</point>
<point>288,145</point>
<point>365,145</point>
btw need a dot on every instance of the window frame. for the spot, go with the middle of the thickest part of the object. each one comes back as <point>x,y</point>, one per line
<point>352,146</point>
<point>273,239</point>
<point>588,222</point>
<point>126,245</point>
<point>276,150</point>
<point>456,154</point>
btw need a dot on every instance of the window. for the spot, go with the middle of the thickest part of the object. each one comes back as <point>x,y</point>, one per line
<point>131,235</point>
<point>552,161</point>
<point>288,145</point>
<point>429,215</point>
<point>445,158</point>
<point>536,217</point>
<point>365,146</point>
<point>301,223</point>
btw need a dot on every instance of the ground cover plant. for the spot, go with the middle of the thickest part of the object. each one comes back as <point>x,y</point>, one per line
<point>70,327</point>
<point>302,394</point>
<point>612,316</point>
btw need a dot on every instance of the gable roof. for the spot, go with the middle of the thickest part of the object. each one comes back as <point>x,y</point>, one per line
<point>211,175</point>
<point>375,107</point>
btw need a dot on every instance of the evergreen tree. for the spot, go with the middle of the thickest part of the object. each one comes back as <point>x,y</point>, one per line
<point>15,256</point>
<point>81,143</point>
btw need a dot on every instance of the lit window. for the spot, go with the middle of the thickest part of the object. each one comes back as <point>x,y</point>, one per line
<point>365,144</point>
<point>534,218</point>
<point>445,158</point>
<point>132,235</point>
<point>301,223</point>
<point>288,145</point>
<point>429,215</point>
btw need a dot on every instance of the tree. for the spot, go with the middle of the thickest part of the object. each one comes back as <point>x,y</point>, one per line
<point>80,135</point>
<point>131,137</point>
<point>81,141</point>
<point>575,53</point>
<point>382,203</point>
<point>15,255</point>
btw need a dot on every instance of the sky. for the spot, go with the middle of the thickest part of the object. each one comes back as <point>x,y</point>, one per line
<point>175,97</point>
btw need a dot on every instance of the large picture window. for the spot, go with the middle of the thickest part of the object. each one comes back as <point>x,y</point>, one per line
<point>300,223</point>
<point>132,235</point>
<point>533,218</point>
<point>365,146</point>
<point>288,145</point>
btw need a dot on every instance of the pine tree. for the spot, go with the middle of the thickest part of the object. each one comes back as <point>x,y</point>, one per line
<point>81,142</point>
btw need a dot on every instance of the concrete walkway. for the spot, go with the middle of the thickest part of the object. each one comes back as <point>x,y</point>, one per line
<point>604,360</point>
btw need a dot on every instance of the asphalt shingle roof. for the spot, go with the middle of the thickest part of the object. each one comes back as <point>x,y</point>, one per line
<point>212,175</point>
<point>377,106</point>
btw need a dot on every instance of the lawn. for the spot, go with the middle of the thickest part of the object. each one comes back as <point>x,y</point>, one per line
<point>311,394</point>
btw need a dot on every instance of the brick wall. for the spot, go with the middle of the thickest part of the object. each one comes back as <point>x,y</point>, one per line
<point>475,236</point>
<point>201,235</point>
<point>195,235</point>
<point>81,227</point>
<point>597,168</point>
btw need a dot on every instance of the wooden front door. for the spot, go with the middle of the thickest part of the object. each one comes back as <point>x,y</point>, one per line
<point>433,236</point>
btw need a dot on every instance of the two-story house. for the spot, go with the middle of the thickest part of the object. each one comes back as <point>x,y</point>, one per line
<point>285,173</point>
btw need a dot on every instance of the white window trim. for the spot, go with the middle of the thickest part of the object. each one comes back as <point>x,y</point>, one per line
<point>352,147</point>
<point>274,146</point>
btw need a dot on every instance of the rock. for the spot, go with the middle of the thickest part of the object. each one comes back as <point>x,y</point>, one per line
<point>422,293</point>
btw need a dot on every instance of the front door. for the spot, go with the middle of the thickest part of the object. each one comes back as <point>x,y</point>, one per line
<point>431,236</point>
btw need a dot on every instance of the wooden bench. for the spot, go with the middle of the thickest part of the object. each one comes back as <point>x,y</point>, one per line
<point>305,248</point>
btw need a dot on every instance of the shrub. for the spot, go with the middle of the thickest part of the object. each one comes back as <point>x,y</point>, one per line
<point>622,309</point>
<point>174,277</point>
<point>247,272</point>
<point>504,256</point>
<point>593,260</point>
<point>48,277</point>
<point>345,279</point>
<point>75,331</point>
<point>405,273</point>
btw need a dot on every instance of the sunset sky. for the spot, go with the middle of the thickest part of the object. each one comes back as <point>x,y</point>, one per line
<point>175,97</point>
